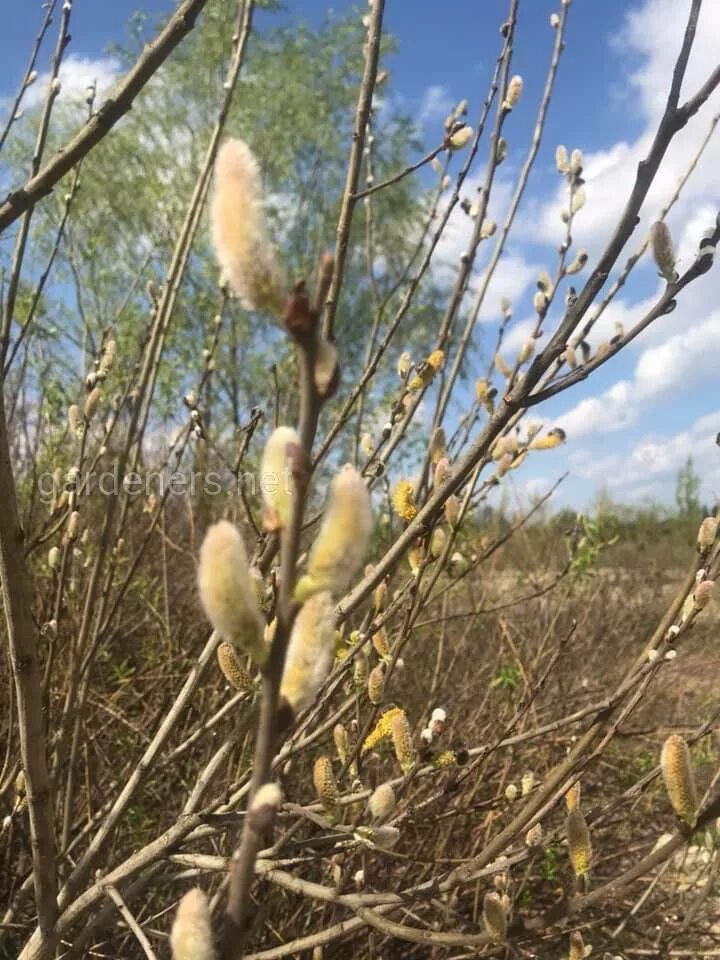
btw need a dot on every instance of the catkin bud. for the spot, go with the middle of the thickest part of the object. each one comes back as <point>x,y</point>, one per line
<point>264,806</point>
<point>512,95</point>
<point>360,671</point>
<point>534,836</point>
<point>74,419</point>
<point>577,946</point>
<point>572,796</point>
<point>494,917</point>
<point>231,669</point>
<point>576,161</point>
<point>54,558</point>
<point>379,641</point>
<point>91,402</point>
<point>452,509</point>
<point>502,368</point>
<point>402,741</point>
<point>679,780</point>
<point>310,652</point>
<point>341,543</point>
<point>561,159</point>
<point>403,364</point>
<point>578,263</point>
<point>403,500</point>
<point>579,846</point>
<point>662,250</point>
<point>707,534</point>
<point>325,784</point>
<point>461,137</point>
<point>527,783</point>
<point>375,684</point>
<point>438,445</point>
<point>578,200</point>
<point>703,593</point>
<point>526,351</point>
<point>278,488</point>
<point>380,596</point>
<point>340,739</point>
<point>239,230</point>
<point>191,937</point>
<point>382,802</point>
<point>325,371</point>
<point>226,592</point>
<point>487,228</point>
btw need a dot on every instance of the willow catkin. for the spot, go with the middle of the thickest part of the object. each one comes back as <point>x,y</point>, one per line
<point>232,671</point>
<point>707,534</point>
<point>403,500</point>
<point>342,541</point>
<point>310,652</point>
<point>512,94</point>
<point>381,730</point>
<point>402,741</point>
<point>494,917</point>
<point>572,796</point>
<point>382,802</point>
<point>579,845</point>
<point>324,781</point>
<point>679,780</point>
<point>577,946</point>
<point>341,741</point>
<point>376,684</point>
<point>662,250</point>
<point>553,439</point>
<point>239,230</point>
<point>191,936</point>
<point>276,480</point>
<point>226,593</point>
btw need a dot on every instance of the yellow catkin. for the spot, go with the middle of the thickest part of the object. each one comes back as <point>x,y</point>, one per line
<point>579,845</point>
<point>226,593</point>
<point>577,946</point>
<point>239,231</point>
<point>276,479</point>
<point>402,741</point>
<point>340,739</point>
<point>191,937</point>
<point>438,445</point>
<point>382,802</point>
<point>445,759</point>
<point>342,541</point>
<point>231,669</point>
<point>494,917</point>
<point>426,370</point>
<point>403,500</point>
<point>572,796</point>
<point>310,652</point>
<point>679,780</point>
<point>501,366</point>
<point>461,137</point>
<point>382,729</point>
<point>379,641</point>
<point>553,439</point>
<point>324,781</point>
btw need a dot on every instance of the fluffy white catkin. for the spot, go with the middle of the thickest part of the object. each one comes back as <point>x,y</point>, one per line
<point>191,936</point>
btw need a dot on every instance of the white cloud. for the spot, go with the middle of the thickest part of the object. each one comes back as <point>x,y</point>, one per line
<point>688,358</point>
<point>435,105</point>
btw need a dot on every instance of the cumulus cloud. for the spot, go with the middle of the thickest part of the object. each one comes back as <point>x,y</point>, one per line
<point>77,73</point>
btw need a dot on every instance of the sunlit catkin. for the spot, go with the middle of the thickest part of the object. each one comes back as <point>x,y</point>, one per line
<point>562,164</point>
<point>91,403</point>
<point>342,541</point>
<point>403,500</point>
<point>679,780</point>
<point>402,741</point>
<point>512,94</point>
<point>239,230</point>
<point>325,784</point>
<point>662,250</point>
<point>232,671</point>
<point>382,802</point>
<point>579,845</point>
<point>707,534</point>
<point>191,937</point>
<point>226,593</point>
<point>310,652</point>
<point>494,917</point>
<point>276,480</point>
<point>553,439</point>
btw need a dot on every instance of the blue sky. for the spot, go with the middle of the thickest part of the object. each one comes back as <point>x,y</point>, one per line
<point>634,423</point>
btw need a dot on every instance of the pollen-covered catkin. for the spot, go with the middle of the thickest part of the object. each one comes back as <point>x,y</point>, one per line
<point>231,669</point>
<point>239,230</point>
<point>403,500</point>
<point>402,741</point>
<point>226,593</point>
<point>325,784</point>
<point>577,946</point>
<point>579,845</point>
<point>191,937</point>
<point>679,780</point>
<point>342,541</point>
<point>276,481</point>
<point>310,652</point>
